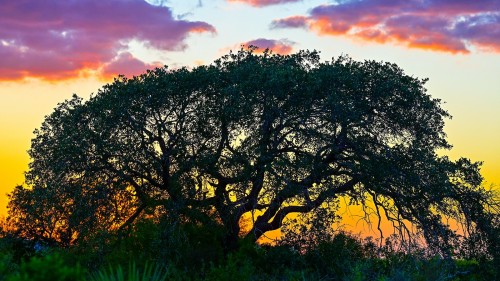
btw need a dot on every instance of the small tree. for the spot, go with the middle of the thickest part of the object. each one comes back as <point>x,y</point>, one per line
<point>267,134</point>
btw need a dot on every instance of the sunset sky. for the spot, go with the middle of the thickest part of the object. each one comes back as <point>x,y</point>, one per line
<point>52,49</point>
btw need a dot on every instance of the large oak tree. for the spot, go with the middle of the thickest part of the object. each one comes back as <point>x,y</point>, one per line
<point>264,134</point>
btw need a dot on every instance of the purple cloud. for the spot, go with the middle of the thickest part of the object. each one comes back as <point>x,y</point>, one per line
<point>61,39</point>
<point>455,26</point>
<point>293,21</point>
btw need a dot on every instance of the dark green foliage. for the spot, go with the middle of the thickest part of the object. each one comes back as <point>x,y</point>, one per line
<point>7,264</point>
<point>183,249</point>
<point>279,260</point>
<point>339,256</point>
<point>234,268</point>
<point>343,253</point>
<point>14,250</point>
<point>48,268</point>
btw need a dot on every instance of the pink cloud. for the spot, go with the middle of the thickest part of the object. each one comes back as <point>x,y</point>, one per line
<point>282,47</point>
<point>126,64</point>
<point>61,39</point>
<point>263,3</point>
<point>454,26</point>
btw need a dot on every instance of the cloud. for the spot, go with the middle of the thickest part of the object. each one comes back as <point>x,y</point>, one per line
<point>263,3</point>
<point>56,39</point>
<point>126,64</point>
<point>293,21</point>
<point>454,26</point>
<point>282,46</point>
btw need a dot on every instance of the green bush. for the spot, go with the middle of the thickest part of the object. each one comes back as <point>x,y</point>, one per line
<point>473,270</point>
<point>203,245</point>
<point>281,260</point>
<point>7,265</point>
<point>142,243</point>
<point>336,257</point>
<point>48,268</point>
<point>235,268</point>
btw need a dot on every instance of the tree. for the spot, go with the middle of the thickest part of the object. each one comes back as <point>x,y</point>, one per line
<point>268,134</point>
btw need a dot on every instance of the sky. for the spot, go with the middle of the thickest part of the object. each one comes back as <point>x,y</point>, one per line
<point>51,49</point>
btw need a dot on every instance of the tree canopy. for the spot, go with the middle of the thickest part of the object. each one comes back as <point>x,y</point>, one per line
<point>264,134</point>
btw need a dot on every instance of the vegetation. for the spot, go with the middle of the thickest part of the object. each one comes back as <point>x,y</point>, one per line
<point>336,256</point>
<point>156,175</point>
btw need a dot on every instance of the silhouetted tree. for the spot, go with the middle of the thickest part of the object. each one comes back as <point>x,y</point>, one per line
<point>269,135</point>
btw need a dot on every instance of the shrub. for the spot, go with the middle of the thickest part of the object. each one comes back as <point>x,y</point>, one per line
<point>235,268</point>
<point>337,256</point>
<point>48,268</point>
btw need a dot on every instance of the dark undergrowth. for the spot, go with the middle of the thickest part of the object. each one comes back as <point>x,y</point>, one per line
<point>154,252</point>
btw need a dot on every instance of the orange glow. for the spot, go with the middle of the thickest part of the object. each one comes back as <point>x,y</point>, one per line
<point>323,26</point>
<point>283,50</point>
<point>278,49</point>
<point>49,77</point>
<point>434,46</point>
<point>201,29</point>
